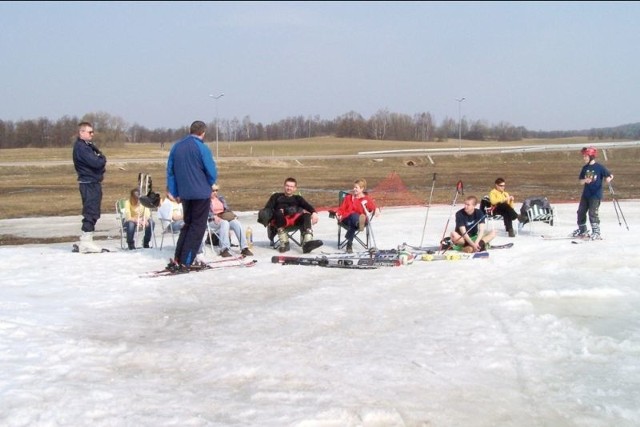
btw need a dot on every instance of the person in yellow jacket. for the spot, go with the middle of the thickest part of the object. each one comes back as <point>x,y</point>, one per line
<point>502,203</point>
<point>137,216</point>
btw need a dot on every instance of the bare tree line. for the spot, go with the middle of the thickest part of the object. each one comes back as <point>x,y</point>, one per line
<point>383,125</point>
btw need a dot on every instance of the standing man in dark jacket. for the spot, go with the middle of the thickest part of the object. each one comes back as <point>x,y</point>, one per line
<point>191,171</point>
<point>90,165</point>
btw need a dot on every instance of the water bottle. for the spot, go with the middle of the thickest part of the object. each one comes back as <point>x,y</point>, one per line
<point>249,237</point>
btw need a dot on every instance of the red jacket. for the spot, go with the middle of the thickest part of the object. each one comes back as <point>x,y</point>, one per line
<point>352,205</point>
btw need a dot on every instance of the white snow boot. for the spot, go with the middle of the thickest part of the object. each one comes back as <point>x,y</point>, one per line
<point>87,245</point>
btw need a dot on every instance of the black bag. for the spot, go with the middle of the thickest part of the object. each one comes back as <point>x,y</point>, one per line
<point>227,215</point>
<point>264,216</point>
<point>214,240</point>
<point>151,200</point>
<point>292,210</point>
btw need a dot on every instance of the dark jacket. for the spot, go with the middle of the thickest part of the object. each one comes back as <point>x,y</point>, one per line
<point>89,162</point>
<point>289,204</point>
<point>598,173</point>
<point>191,170</point>
<point>469,222</point>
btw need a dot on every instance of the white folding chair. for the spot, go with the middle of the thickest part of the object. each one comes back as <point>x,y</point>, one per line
<point>120,221</point>
<point>167,228</point>
<point>536,213</point>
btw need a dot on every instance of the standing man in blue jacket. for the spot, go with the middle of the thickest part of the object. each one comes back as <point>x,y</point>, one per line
<point>191,171</point>
<point>90,165</point>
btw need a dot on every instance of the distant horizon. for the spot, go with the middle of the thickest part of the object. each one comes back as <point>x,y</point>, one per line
<point>315,117</point>
<point>542,66</point>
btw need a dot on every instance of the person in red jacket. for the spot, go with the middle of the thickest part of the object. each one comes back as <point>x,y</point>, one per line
<point>352,211</point>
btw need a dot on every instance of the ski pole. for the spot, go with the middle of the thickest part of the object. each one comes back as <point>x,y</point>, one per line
<point>369,216</point>
<point>433,183</point>
<point>616,206</point>
<point>459,190</point>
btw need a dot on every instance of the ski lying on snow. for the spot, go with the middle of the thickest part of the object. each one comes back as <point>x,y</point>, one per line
<point>579,241</point>
<point>362,254</point>
<point>215,265</point>
<point>546,237</point>
<point>382,258</point>
<point>574,239</point>
<point>454,256</point>
<point>505,246</point>
<point>354,263</point>
<point>380,254</point>
<point>435,249</point>
<point>421,249</point>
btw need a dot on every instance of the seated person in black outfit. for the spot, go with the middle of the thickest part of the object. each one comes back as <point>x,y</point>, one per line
<point>291,209</point>
<point>502,203</point>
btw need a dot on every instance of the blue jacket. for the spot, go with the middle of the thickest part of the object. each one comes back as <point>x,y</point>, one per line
<point>191,170</point>
<point>89,162</point>
<point>598,173</point>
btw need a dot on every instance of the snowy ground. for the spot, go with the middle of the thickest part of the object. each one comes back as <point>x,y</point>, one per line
<point>544,334</point>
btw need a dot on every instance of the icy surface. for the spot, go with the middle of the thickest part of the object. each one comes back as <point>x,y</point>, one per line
<point>544,334</point>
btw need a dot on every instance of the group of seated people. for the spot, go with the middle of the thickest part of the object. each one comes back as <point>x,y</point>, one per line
<point>288,209</point>
<point>470,232</point>
<point>221,221</point>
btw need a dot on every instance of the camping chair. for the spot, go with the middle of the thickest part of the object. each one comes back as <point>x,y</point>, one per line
<point>488,209</point>
<point>167,228</point>
<point>363,241</point>
<point>120,221</point>
<point>212,236</point>
<point>290,228</point>
<point>538,209</point>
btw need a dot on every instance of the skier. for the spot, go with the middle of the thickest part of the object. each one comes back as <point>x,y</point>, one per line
<point>591,177</point>
<point>191,171</point>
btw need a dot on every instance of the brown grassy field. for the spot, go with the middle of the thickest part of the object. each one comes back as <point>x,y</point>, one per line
<point>250,171</point>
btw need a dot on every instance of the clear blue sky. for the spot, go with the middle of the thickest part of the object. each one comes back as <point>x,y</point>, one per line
<point>542,65</point>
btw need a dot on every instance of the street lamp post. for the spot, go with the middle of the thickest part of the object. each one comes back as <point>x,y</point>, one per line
<point>460,123</point>
<point>217,98</point>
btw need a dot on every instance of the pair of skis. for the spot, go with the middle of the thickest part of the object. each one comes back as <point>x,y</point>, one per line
<point>433,249</point>
<point>383,258</point>
<point>323,261</point>
<point>357,260</point>
<point>403,258</point>
<point>576,240</point>
<point>233,262</point>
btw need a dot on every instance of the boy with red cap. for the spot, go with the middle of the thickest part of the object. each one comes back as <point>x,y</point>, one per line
<point>591,177</point>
